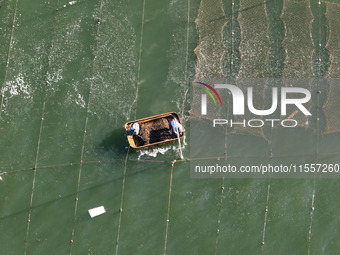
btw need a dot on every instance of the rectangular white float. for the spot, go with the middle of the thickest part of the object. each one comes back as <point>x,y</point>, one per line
<point>97,211</point>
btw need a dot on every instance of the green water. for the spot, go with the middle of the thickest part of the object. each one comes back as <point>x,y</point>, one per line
<point>138,62</point>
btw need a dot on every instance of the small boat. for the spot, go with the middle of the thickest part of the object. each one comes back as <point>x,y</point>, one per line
<point>153,131</point>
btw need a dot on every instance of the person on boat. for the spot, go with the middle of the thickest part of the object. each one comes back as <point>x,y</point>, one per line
<point>176,126</point>
<point>135,128</point>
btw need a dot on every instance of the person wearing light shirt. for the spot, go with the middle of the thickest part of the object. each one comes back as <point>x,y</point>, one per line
<point>135,128</point>
<point>176,126</point>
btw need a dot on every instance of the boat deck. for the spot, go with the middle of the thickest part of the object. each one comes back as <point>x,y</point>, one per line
<point>155,130</point>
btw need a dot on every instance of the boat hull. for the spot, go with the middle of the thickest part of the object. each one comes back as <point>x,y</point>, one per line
<point>154,131</point>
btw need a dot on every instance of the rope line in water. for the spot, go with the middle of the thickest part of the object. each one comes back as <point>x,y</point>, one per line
<point>186,78</point>
<point>81,163</point>
<point>311,220</point>
<point>222,187</point>
<point>181,114</point>
<point>8,56</point>
<point>168,209</point>
<point>314,182</point>
<point>6,172</point>
<point>35,168</point>
<point>268,194</point>
<point>265,216</point>
<point>317,140</point>
<point>139,63</point>
<point>121,202</point>
<point>135,114</point>
<point>219,215</point>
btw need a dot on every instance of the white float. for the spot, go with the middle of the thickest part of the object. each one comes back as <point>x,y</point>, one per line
<point>97,211</point>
